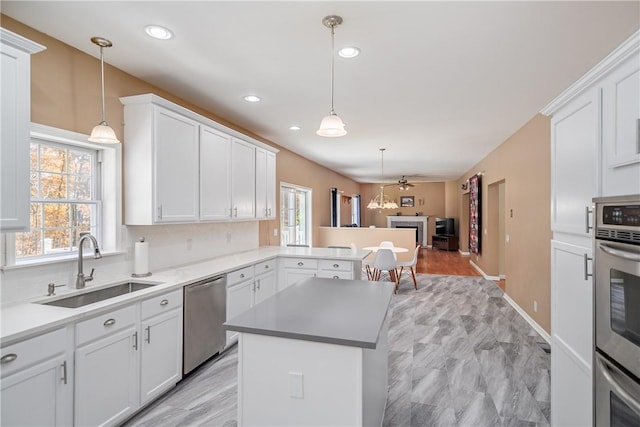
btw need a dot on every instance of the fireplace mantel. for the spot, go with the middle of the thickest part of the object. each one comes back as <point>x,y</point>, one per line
<point>418,221</point>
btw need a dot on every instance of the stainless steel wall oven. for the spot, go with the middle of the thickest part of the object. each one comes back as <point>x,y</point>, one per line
<point>617,311</point>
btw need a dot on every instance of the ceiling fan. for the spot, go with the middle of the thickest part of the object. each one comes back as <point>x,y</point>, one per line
<point>403,183</point>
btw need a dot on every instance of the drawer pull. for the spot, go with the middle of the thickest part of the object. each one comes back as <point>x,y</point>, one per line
<point>109,322</point>
<point>8,358</point>
<point>300,264</point>
<point>164,302</point>
<point>336,265</point>
<point>336,277</point>
<point>135,340</point>
<point>64,372</point>
<point>148,328</point>
<point>266,266</point>
<point>242,275</point>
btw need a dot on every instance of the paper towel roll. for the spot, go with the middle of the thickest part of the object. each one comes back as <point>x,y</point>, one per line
<point>141,258</point>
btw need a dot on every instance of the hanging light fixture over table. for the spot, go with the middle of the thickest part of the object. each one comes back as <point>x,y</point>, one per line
<point>102,132</point>
<point>332,125</point>
<point>381,201</point>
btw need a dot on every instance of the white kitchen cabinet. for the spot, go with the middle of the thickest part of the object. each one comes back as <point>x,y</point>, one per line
<point>161,336</point>
<point>293,270</point>
<point>621,129</point>
<point>265,284</point>
<point>215,175</point>
<point>265,184</point>
<point>161,164</point>
<point>15,118</point>
<point>571,387</point>
<point>107,367</point>
<point>335,269</point>
<point>240,285</point>
<point>243,179</point>
<point>37,381</point>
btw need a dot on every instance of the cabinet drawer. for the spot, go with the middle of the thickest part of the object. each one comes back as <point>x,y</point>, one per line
<point>105,324</point>
<point>335,274</point>
<point>31,351</point>
<point>311,264</point>
<point>335,265</point>
<point>265,266</point>
<point>239,276</point>
<point>161,304</point>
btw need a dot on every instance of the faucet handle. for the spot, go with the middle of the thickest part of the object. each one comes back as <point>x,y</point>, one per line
<point>51,289</point>
<point>90,277</point>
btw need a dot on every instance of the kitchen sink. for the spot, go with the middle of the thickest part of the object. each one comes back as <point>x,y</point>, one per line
<point>98,295</point>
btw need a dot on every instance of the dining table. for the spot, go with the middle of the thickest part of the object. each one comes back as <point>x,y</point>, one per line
<point>394,249</point>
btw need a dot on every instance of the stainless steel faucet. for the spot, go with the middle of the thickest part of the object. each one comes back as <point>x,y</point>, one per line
<point>80,280</point>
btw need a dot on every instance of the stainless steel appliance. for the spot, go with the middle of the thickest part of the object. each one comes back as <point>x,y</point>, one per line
<point>617,311</point>
<point>205,310</point>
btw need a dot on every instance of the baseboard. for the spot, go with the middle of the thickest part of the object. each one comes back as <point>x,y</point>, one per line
<point>485,275</point>
<point>503,277</point>
<point>544,334</point>
<point>463,253</point>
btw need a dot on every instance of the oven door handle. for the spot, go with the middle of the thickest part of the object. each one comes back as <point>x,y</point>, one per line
<point>619,253</point>
<point>616,380</point>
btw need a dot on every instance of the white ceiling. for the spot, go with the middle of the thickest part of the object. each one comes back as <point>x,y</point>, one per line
<point>438,84</point>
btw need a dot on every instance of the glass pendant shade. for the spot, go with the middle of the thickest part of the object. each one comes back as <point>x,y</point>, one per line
<point>382,202</point>
<point>331,126</point>
<point>103,134</point>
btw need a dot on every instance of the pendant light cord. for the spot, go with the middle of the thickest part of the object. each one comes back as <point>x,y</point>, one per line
<point>104,120</point>
<point>332,64</point>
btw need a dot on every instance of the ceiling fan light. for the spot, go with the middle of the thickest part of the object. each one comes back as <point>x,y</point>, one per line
<point>103,134</point>
<point>331,126</point>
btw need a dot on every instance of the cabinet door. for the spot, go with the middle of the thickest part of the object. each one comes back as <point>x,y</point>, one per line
<point>106,388</point>
<point>215,175</point>
<point>38,396</point>
<point>239,299</point>
<point>271,185</point>
<point>572,298</point>
<point>571,385</point>
<point>243,181</point>
<point>574,164</point>
<point>176,167</point>
<point>621,129</point>
<point>261,183</point>
<point>292,276</point>
<point>15,114</point>
<point>161,359</point>
<point>265,287</point>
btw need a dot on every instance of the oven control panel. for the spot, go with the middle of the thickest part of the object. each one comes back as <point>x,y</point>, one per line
<point>621,215</point>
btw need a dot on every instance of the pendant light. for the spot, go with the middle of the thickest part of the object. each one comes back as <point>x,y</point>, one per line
<point>381,201</point>
<point>102,132</point>
<point>331,125</point>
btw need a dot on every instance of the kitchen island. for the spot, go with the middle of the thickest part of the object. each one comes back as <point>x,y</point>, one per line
<point>315,354</point>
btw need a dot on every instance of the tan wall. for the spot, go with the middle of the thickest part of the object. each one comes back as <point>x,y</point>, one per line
<point>523,162</point>
<point>65,93</point>
<point>362,237</point>
<point>429,199</point>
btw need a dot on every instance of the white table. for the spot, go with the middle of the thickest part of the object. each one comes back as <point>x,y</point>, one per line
<point>395,249</point>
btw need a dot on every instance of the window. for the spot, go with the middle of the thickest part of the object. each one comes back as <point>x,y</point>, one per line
<point>295,215</point>
<point>64,199</point>
<point>75,188</point>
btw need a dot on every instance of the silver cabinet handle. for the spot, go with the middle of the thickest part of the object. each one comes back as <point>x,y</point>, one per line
<point>586,267</point>
<point>336,265</point>
<point>135,340</point>
<point>258,284</point>
<point>109,322</point>
<point>160,212</point>
<point>148,329</point>
<point>588,227</point>
<point>8,358</point>
<point>235,212</point>
<point>336,277</point>
<point>64,372</point>
<point>269,214</point>
<point>242,275</point>
<point>266,266</point>
<point>164,302</point>
<point>300,264</point>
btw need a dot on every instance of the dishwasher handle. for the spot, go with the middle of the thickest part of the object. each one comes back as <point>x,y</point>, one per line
<point>194,287</point>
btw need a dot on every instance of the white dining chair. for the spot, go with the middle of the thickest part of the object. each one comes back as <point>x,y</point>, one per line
<point>385,261</point>
<point>388,244</point>
<point>410,265</point>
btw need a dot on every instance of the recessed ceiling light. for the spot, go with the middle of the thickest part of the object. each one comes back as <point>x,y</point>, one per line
<point>349,52</point>
<point>158,32</point>
<point>294,127</point>
<point>252,98</point>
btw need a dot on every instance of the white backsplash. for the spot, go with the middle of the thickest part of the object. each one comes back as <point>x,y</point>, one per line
<point>169,246</point>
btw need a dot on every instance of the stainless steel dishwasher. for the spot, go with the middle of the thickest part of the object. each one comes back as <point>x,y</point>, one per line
<point>205,310</point>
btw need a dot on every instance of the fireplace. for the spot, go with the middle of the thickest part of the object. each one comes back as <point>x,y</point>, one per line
<point>417,222</point>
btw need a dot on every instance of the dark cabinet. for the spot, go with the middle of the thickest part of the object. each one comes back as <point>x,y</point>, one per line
<point>444,242</point>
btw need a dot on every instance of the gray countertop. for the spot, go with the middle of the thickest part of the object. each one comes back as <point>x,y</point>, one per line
<point>343,312</point>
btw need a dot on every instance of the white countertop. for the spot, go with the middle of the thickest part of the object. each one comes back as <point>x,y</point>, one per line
<point>21,320</point>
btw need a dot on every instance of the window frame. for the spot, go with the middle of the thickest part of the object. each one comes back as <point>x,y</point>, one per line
<point>108,184</point>
<point>308,211</point>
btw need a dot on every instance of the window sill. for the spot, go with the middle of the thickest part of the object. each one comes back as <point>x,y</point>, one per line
<point>56,260</point>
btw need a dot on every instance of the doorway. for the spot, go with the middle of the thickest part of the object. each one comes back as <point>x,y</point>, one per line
<point>295,215</point>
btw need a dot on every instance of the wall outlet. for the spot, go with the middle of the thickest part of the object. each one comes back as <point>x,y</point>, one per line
<point>507,238</point>
<point>296,386</point>
<point>275,232</point>
<point>535,306</point>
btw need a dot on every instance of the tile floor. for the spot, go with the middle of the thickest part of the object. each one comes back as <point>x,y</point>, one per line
<point>460,355</point>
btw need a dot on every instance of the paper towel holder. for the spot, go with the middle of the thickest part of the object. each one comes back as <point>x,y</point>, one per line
<point>139,275</point>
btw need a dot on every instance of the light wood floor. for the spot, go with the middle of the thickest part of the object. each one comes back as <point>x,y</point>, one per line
<point>450,263</point>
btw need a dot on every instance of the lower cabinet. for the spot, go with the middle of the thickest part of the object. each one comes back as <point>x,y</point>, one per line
<point>130,355</point>
<point>293,270</point>
<point>239,295</point>
<point>37,382</point>
<point>572,387</point>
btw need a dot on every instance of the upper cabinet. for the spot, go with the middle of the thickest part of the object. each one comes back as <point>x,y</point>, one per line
<point>15,113</point>
<point>265,184</point>
<point>181,167</point>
